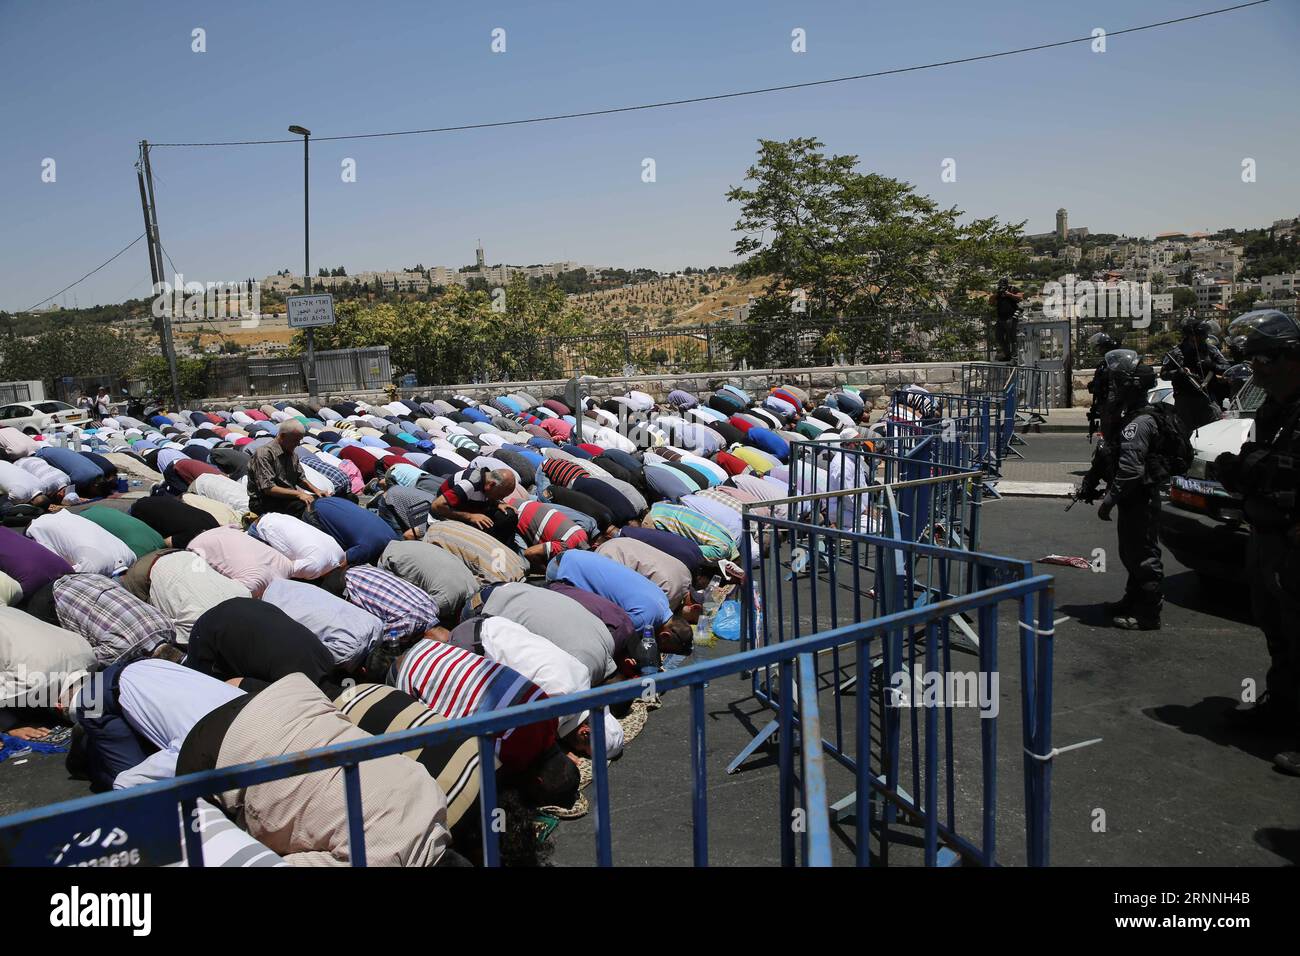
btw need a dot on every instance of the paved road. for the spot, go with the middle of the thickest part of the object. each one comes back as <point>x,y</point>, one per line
<point>1174,786</point>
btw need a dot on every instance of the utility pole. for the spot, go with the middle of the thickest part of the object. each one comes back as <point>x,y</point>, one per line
<point>156,264</point>
<point>306,257</point>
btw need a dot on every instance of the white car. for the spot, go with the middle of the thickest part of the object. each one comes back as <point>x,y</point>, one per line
<point>1205,528</point>
<point>35,417</point>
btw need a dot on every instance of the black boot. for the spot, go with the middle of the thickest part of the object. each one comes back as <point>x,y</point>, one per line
<point>1261,717</point>
<point>1134,615</point>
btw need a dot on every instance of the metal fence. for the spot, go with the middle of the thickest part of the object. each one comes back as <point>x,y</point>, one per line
<point>793,342</point>
<point>906,751</point>
<point>336,370</point>
<point>149,818</point>
<point>15,392</point>
<point>1153,341</point>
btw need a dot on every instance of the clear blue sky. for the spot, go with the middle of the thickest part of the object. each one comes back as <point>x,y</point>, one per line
<point>1145,137</point>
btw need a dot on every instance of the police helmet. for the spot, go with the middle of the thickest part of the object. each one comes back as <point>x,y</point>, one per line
<point>1264,332</point>
<point>1103,342</point>
<point>1237,373</point>
<point>1122,361</point>
<point>1128,372</point>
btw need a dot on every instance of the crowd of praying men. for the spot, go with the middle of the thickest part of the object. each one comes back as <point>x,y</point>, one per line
<point>212,587</point>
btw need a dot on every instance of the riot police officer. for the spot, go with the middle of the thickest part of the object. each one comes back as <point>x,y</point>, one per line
<point>1134,489</point>
<point>1099,387</point>
<point>1266,472</point>
<point>1193,366</point>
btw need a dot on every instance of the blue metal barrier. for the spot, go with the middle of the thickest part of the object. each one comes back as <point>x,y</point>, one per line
<point>146,818</point>
<point>857,576</point>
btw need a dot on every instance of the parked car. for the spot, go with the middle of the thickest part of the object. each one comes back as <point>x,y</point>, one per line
<point>1204,526</point>
<point>34,417</point>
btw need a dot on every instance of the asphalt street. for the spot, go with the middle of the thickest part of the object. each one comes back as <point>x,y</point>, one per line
<point>1168,785</point>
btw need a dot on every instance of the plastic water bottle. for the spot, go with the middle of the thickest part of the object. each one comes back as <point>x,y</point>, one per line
<point>711,600</point>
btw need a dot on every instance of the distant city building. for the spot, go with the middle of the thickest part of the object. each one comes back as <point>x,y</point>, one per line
<point>1063,230</point>
<point>1281,286</point>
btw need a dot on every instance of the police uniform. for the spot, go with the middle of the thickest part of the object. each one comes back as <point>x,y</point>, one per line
<point>1100,389</point>
<point>1270,482</point>
<point>1199,358</point>
<point>1136,493</point>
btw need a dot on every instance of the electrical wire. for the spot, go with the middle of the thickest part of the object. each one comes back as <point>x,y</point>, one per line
<point>86,276</point>
<point>725,96</point>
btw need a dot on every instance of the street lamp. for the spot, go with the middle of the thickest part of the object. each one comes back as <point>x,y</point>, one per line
<point>306,258</point>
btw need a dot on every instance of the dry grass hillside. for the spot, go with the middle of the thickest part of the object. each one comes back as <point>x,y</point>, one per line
<point>673,300</point>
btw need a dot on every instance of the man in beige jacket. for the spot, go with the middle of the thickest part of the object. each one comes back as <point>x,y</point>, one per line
<point>304,818</point>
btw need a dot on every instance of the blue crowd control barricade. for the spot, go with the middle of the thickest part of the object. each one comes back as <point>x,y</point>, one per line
<point>916,710</point>
<point>1025,392</point>
<point>940,512</point>
<point>911,783</point>
<point>146,825</point>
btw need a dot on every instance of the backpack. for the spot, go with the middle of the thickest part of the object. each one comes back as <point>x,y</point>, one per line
<point>1172,452</point>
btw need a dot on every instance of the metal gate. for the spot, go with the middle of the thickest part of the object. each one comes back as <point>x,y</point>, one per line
<point>1047,345</point>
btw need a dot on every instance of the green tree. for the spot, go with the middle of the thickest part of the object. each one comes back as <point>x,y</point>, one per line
<point>838,243</point>
<point>88,350</point>
<point>860,243</point>
<point>461,336</point>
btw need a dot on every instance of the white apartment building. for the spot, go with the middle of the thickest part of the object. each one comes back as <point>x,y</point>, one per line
<point>1214,293</point>
<point>1281,286</point>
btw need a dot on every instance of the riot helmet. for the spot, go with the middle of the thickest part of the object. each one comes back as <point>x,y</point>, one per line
<point>1264,332</point>
<point>1102,342</point>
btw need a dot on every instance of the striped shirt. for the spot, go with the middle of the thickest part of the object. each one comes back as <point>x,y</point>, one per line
<point>563,472</point>
<point>541,523</point>
<point>454,682</point>
<point>115,623</point>
<point>378,709</point>
<point>465,487</point>
<point>488,560</point>
<point>716,543</point>
<point>403,608</point>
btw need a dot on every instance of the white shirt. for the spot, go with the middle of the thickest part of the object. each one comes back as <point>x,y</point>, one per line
<point>312,551</point>
<point>551,668</point>
<point>163,701</point>
<point>233,494</point>
<point>16,444</point>
<point>20,486</point>
<point>50,478</point>
<point>82,543</point>
<point>316,479</point>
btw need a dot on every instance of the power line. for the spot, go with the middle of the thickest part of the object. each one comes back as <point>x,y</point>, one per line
<point>87,275</point>
<point>726,96</point>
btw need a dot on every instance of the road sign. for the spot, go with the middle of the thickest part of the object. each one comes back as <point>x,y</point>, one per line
<point>310,311</point>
